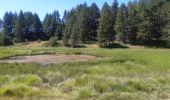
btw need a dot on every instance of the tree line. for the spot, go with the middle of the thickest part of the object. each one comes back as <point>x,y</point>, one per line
<point>140,22</point>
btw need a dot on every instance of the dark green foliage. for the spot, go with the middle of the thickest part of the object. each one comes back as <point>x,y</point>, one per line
<point>115,9</point>
<point>58,32</point>
<point>47,25</point>
<point>8,26</point>
<point>53,41</point>
<point>50,23</point>
<point>65,17</point>
<point>68,29</point>
<point>82,23</point>
<point>74,35</point>
<point>94,21</point>
<point>5,40</point>
<point>106,23</point>
<point>1,25</point>
<point>20,28</point>
<point>86,19</point>
<point>166,36</point>
<point>133,20</point>
<point>29,20</point>
<point>140,22</point>
<point>153,22</point>
<point>37,28</point>
<point>121,23</point>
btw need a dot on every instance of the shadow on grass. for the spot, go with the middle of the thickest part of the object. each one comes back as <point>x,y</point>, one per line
<point>112,45</point>
<point>75,46</point>
<point>116,45</point>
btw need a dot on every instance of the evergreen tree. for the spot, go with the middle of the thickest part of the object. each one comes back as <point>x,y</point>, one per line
<point>166,35</point>
<point>82,24</point>
<point>58,32</point>
<point>1,25</point>
<point>65,17</point>
<point>68,29</point>
<point>143,32</point>
<point>121,23</point>
<point>63,24</point>
<point>29,20</point>
<point>50,23</point>
<point>115,9</point>
<point>153,22</point>
<point>106,32</point>
<point>145,22</point>
<point>38,30</point>
<point>47,25</point>
<point>20,28</point>
<point>56,15</point>
<point>132,22</point>
<point>94,14</point>
<point>8,23</point>
<point>74,35</point>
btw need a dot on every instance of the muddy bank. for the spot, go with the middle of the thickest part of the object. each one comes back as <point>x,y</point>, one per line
<point>48,59</point>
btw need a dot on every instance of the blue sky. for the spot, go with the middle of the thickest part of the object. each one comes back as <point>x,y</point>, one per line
<point>41,7</point>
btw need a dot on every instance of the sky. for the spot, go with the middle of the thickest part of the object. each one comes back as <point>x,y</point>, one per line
<point>41,7</point>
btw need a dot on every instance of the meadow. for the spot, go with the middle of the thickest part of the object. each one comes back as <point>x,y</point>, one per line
<point>116,74</point>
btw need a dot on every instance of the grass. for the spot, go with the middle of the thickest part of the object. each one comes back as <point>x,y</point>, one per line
<point>119,74</point>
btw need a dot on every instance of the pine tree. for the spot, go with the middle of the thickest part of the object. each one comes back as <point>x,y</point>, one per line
<point>8,23</point>
<point>50,23</point>
<point>106,32</point>
<point>132,23</point>
<point>48,27</point>
<point>69,24</point>
<point>1,25</point>
<point>29,20</point>
<point>64,22</point>
<point>94,14</point>
<point>38,30</point>
<point>166,34</point>
<point>82,24</point>
<point>20,28</point>
<point>56,14</point>
<point>58,32</point>
<point>65,17</point>
<point>74,35</point>
<point>115,9</point>
<point>143,32</point>
<point>121,23</point>
<point>53,24</point>
<point>152,23</point>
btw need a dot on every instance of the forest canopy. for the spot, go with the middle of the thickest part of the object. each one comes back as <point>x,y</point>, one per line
<point>142,22</point>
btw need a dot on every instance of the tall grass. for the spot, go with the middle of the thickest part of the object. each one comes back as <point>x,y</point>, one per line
<point>119,74</point>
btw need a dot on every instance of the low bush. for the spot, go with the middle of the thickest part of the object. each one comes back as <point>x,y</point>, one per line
<point>53,42</point>
<point>39,41</point>
<point>5,40</point>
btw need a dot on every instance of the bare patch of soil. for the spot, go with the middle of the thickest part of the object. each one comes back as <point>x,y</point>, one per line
<point>49,59</point>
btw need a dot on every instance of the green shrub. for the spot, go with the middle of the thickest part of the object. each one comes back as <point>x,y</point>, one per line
<point>53,41</point>
<point>5,40</point>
